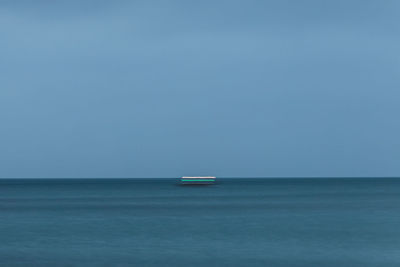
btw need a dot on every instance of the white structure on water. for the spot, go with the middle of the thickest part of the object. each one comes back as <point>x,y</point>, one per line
<point>198,180</point>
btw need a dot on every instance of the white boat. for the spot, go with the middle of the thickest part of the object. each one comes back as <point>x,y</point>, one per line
<point>198,180</point>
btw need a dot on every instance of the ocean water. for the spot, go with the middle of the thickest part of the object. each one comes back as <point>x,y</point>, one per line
<point>237,222</point>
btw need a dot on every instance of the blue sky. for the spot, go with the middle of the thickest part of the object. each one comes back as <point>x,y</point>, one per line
<point>225,88</point>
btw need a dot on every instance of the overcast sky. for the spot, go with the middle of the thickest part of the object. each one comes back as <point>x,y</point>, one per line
<point>227,88</point>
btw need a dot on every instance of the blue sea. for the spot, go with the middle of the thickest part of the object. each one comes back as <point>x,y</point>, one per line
<point>236,222</point>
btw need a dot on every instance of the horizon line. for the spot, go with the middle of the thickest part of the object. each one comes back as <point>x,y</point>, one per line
<point>222,177</point>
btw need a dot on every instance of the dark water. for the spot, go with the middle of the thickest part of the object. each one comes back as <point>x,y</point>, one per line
<point>238,222</point>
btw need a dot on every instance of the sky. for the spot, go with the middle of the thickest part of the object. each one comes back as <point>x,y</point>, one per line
<point>279,88</point>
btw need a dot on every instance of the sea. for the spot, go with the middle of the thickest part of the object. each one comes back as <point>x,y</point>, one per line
<point>236,222</point>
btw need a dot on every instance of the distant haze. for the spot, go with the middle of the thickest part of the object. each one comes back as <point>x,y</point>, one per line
<point>226,88</point>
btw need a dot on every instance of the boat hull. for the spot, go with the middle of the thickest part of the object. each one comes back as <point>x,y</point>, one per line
<point>197,180</point>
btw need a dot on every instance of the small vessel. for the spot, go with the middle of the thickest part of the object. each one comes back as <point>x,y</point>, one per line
<point>198,180</point>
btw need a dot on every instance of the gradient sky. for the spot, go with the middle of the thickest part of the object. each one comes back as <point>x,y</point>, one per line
<point>227,88</point>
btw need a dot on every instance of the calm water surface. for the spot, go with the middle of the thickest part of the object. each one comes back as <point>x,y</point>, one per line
<point>238,222</point>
